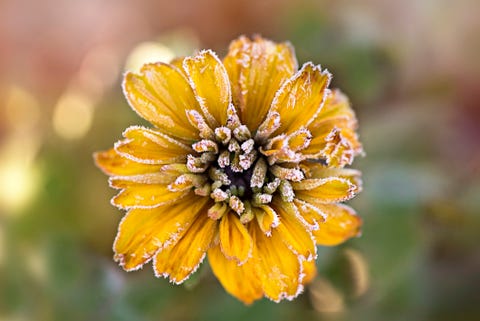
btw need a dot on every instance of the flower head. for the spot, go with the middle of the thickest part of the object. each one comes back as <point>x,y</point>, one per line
<point>244,163</point>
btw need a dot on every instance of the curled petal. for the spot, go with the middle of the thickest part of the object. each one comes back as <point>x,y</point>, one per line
<point>309,213</point>
<point>325,190</point>
<point>333,131</point>
<point>267,218</point>
<point>319,171</point>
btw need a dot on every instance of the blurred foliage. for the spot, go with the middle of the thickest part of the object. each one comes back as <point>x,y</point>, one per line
<point>419,256</point>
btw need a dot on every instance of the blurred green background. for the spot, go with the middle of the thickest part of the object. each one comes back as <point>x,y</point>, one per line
<point>411,69</point>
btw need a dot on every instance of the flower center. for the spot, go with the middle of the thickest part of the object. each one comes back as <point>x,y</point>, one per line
<point>228,167</point>
<point>239,182</point>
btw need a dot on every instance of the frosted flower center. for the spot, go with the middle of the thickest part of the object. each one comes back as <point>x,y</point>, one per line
<point>239,182</point>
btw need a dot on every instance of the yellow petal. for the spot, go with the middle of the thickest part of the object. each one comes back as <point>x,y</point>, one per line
<point>293,231</point>
<point>137,195</point>
<point>325,190</point>
<point>310,214</point>
<point>178,62</point>
<point>111,163</point>
<point>257,69</point>
<point>299,140</point>
<point>333,132</point>
<point>266,217</point>
<point>352,175</point>
<point>143,231</point>
<point>165,175</point>
<point>161,95</point>
<point>151,147</point>
<point>341,224</point>
<point>210,83</point>
<point>235,241</point>
<point>178,261</point>
<point>240,281</point>
<point>277,267</point>
<point>336,108</point>
<point>300,99</point>
<point>309,269</point>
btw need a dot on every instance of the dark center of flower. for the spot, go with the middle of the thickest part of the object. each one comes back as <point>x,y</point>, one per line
<point>239,182</point>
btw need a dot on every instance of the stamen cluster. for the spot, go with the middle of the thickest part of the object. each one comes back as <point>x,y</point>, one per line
<point>229,167</point>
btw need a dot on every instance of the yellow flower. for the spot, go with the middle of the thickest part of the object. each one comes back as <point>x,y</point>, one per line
<point>245,164</point>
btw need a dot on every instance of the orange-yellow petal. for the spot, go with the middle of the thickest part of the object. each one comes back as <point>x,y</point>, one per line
<point>320,172</point>
<point>309,270</point>
<point>266,217</point>
<point>165,175</point>
<point>277,267</point>
<point>333,132</point>
<point>341,224</point>
<point>178,261</point>
<point>210,83</point>
<point>294,233</point>
<point>138,195</point>
<point>142,232</point>
<point>235,241</point>
<point>257,69</point>
<point>325,190</point>
<point>301,98</point>
<point>178,62</point>
<point>111,163</point>
<point>161,94</point>
<point>240,281</point>
<point>151,147</point>
<point>309,213</point>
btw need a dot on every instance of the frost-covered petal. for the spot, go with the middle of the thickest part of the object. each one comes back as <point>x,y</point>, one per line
<point>300,99</point>
<point>309,271</point>
<point>325,190</point>
<point>164,175</point>
<point>139,195</point>
<point>257,68</point>
<point>341,223</point>
<point>267,218</point>
<point>333,132</point>
<point>180,260</point>
<point>277,267</point>
<point>240,281</point>
<point>142,232</point>
<point>111,163</point>
<point>293,230</point>
<point>209,81</point>
<point>235,241</point>
<point>151,147</point>
<point>310,214</point>
<point>318,171</point>
<point>161,95</point>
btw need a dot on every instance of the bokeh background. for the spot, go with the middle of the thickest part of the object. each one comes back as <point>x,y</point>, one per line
<point>411,69</point>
